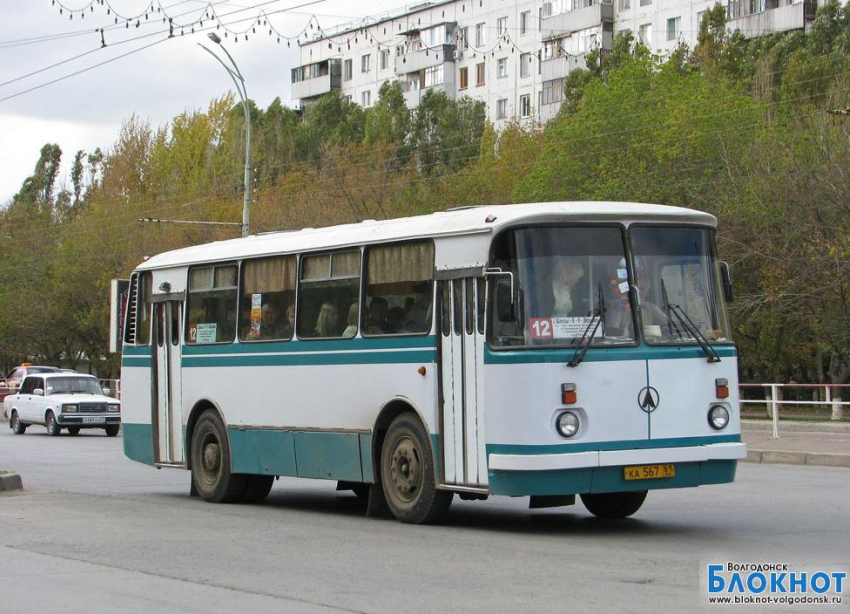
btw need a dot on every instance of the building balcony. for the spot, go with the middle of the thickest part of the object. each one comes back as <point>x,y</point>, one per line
<point>779,19</point>
<point>314,80</point>
<point>412,98</point>
<point>576,20</point>
<point>421,59</point>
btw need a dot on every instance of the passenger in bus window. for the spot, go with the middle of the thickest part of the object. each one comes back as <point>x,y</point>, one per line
<point>378,310</point>
<point>351,329</point>
<point>289,324</point>
<point>568,298</point>
<point>326,323</point>
<point>395,320</point>
<point>270,326</point>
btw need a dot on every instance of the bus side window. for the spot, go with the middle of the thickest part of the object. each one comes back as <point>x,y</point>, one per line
<point>399,289</point>
<point>445,308</point>
<point>267,305</point>
<point>211,305</point>
<point>330,285</point>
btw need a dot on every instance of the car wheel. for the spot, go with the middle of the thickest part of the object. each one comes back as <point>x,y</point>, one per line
<point>18,427</point>
<point>210,456</point>
<point>73,430</point>
<point>53,428</point>
<point>111,430</point>
<point>257,488</point>
<point>407,473</point>
<point>613,504</point>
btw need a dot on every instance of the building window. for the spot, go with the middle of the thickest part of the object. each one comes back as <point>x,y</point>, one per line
<point>330,290</point>
<point>699,19</point>
<point>502,25</point>
<point>464,37</point>
<point>502,67</point>
<point>550,49</point>
<point>434,76</point>
<point>464,78</point>
<point>385,59</point>
<point>525,105</point>
<point>553,91</point>
<point>480,35</point>
<point>365,61</point>
<point>525,65</point>
<point>502,108</point>
<point>625,5</point>
<point>212,305</point>
<point>267,309</point>
<point>645,34</point>
<point>547,11</point>
<point>645,2</point>
<point>479,74</point>
<point>349,70</point>
<point>673,27</point>
<point>366,98</point>
<point>524,25</point>
<point>347,98</point>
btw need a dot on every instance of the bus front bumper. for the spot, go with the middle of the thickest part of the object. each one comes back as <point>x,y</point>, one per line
<point>603,470</point>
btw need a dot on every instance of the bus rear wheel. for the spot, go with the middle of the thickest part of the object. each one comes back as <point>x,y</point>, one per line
<point>211,462</point>
<point>613,504</point>
<point>407,474</point>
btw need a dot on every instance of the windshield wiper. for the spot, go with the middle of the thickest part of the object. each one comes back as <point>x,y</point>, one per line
<point>688,325</point>
<point>597,317</point>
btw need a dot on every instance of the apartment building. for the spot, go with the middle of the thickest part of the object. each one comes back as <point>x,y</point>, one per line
<point>514,55</point>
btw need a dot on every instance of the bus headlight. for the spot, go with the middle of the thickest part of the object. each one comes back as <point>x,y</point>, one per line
<point>718,417</point>
<point>567,424</point>
<point>69,409</point>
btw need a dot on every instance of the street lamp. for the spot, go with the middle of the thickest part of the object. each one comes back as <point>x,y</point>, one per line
<point>239,81</point>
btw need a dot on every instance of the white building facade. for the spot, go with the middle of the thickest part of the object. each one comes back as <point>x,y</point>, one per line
<point>514,55</point>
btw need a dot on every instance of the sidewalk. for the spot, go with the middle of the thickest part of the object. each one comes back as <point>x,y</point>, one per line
<point>799,443</point>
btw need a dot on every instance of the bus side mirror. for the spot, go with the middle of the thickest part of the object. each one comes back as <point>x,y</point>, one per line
<point>505,306</point>
<point>726,278</point>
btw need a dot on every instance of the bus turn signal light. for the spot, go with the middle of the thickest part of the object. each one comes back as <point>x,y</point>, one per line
<point>722,388</point>
<point>569,396</point>
<point>421,371</point>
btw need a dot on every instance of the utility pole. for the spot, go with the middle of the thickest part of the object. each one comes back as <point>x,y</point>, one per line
<point>239,82</point>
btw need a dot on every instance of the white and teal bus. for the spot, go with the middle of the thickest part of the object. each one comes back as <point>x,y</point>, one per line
<point>543,350</point>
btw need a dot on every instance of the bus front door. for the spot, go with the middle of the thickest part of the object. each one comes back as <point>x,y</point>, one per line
<point>461,385</point>
<point>167,392</point>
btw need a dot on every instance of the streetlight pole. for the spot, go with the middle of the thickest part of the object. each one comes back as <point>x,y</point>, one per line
<point>239,82</point>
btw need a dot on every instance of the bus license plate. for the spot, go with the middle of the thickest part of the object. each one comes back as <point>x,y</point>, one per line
<point>93,420</point>
<point>649,472</point>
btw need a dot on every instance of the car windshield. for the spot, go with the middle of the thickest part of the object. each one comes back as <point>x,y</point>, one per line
<point>571,287</point>
<point>71,385</point>
<point>679,285</point>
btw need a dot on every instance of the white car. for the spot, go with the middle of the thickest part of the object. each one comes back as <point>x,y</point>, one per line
<point>62,400</point>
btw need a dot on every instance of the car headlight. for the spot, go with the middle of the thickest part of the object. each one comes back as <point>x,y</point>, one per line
<point>70,409</point>
<point>115,407</point>
<point>567,424</point>
<point>718,417</point>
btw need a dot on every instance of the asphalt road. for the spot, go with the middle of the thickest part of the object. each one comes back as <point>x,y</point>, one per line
<point>94,532</point>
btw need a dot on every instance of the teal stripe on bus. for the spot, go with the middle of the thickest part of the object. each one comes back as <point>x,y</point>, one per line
<point>137,361</point>
<point>641,352</point>
<point>630,444</point>
<point>339,345</point>
<point>322,358</point>
<point>138,442</point>
<point>134,350</point>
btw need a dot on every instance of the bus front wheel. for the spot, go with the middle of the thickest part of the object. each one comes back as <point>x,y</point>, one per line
<point>407,474</point>
<point>613,504</point>
<point>211,462</point>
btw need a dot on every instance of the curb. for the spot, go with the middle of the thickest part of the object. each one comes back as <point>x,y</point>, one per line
<point>792,426</point>
<point>798,458</point>
<point>10,481</point>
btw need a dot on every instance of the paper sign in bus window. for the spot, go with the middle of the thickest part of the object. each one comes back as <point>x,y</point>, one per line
<point>560,328</point>
<point>206,333</point>
<point>256,316</point>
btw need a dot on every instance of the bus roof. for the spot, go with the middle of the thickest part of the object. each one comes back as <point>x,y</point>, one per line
<point>462,221</point>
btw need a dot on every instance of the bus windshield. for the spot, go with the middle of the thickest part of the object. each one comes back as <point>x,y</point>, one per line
<point>571,287</point>
<point>679,285</point>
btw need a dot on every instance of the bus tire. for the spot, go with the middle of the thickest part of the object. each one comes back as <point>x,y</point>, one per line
<point>211,462</point>
<point>257,488</point>
<point>18,427</point>
<point>53,428</point>
<point>73,430</point>
<point>407,474</point>
<point>613,504</point>
<point>111,429</point>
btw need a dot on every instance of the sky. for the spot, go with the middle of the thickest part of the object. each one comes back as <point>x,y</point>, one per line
<point>155,84</point>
